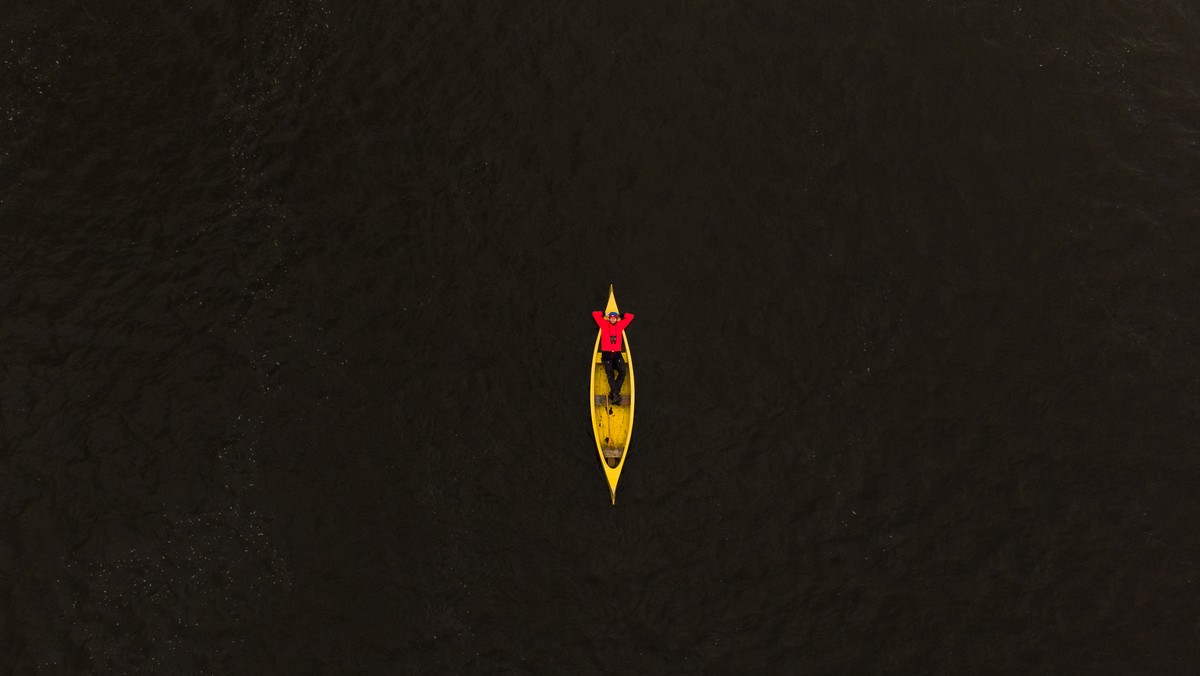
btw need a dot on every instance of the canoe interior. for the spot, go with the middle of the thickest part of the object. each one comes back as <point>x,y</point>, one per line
<point>612,422</point>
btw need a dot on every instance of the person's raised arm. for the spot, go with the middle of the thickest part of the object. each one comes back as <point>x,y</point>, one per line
<point>625,322</point>
<point>598,315</point>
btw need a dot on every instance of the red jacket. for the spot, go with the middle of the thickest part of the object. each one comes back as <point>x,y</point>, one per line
<point>610,334</point>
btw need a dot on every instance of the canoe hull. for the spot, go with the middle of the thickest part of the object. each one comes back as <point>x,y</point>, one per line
<point>612,425</point>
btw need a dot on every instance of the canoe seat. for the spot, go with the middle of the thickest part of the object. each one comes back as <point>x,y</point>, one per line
<point>602,400</point>
<point>613,451</point>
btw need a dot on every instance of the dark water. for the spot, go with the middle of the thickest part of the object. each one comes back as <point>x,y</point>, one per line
<point>295,316</point>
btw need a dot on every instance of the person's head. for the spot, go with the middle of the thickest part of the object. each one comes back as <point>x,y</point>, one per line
<point>613,317</point>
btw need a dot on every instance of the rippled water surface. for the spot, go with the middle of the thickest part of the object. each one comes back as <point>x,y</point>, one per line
<point>296,309</point>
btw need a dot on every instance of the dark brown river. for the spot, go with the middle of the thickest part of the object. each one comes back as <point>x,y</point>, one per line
<point>295,316</point>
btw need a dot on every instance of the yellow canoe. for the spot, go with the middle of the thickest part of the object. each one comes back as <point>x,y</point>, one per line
<point>612,425</point>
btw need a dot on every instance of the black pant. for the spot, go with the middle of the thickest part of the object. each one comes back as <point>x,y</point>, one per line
<point>614,362</point>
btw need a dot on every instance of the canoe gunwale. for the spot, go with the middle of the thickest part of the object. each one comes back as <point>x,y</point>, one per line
<point>612,474</point>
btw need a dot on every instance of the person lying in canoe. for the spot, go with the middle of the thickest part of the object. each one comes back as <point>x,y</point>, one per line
<point>610,350</point>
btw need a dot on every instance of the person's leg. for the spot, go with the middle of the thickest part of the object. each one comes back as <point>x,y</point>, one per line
<point>621,368</point>
<point>607,360</point>
<point>611,365</point>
